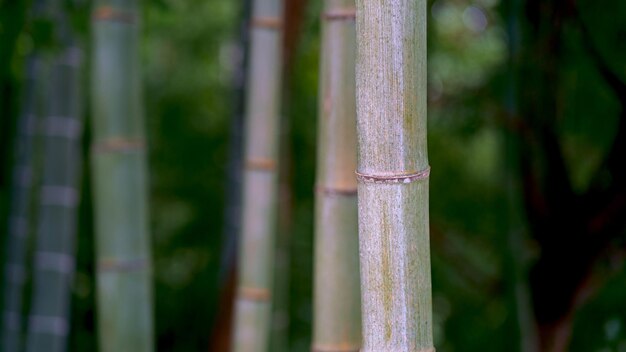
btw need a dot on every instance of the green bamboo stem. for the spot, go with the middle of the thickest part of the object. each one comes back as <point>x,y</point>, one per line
<point>15,271</point>
<point>337,315</point>
<point>515,261</point>
<point>53,268</point>
<point>120,181</point>
<point>393,176</point>
<point>253,301</point>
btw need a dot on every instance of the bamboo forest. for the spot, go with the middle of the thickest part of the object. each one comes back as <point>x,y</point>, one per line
<point>313,175</point>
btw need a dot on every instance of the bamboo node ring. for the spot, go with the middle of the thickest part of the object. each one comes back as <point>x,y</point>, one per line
<point>335,348</point>
<point>254,294</point>
<point>273,23</point>
<point>260,164</point>
<point>394,179</point>
<point>109,13</point>
<point>346,14</point>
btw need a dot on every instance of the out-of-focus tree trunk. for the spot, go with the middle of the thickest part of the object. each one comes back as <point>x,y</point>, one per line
<point>54,257</point>
<point>20,217</point>
<point>258,236</point>
<point>336,313</point>
<point>124,265</point>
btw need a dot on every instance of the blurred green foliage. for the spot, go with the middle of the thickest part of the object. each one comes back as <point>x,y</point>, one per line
<point>188,49</point>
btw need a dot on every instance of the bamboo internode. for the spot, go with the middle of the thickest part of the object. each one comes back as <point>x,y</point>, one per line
<point>336,314</point>
<point>393,176</point>
<point>120,181</point>
<point>54,259</point>
<point>258,235</point>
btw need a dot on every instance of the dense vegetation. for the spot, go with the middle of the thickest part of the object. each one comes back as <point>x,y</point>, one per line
<point>526,137</point>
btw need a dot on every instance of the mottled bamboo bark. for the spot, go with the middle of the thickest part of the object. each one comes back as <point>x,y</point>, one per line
<point>253,302</point>
<point>20,219</point>
<point>393,176</point>
<point>337,318</point>
<point>53,268</point>
<point>120,185</point>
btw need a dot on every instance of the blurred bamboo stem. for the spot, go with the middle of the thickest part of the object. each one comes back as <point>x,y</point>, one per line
<point>337,318</point>
<point>256,265</point>
<point>120,181</point>
<point>54,258</point>
<point>516,262</point>
<point>20,219</point>
<point>393,176</point>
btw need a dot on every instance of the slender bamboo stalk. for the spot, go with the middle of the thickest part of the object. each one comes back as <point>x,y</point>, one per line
<point>221,338</point>
<point>515,262</point>
<point>120,173</point>
<point>253,302</point>
<point>393,176</point>
<point>54,249</point>
<point>15,271</point>
<point>337,315</point>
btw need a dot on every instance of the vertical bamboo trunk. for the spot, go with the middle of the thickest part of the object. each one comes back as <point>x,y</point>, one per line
<point>393,176</point>
<point>253,302</point>
<point>337,318</point>
<point>515,262</point>
<point>120,185</point>
<point>19,216</point>
<point>53,268</point>
<point>221,332</point>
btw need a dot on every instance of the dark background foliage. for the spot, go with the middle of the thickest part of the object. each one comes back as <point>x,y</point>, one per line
<point>524,109</point>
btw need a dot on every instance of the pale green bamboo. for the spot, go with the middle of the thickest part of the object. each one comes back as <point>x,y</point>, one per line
<point>256,265</point>
<point>20,219</point>
<point>393,176</point>
<point>337,318</point>
<point>53,268</point>
<point>119,178</point>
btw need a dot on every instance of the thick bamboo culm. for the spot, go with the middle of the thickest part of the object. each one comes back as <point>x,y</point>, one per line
<point>256,256</point>
<point>53,268</point>
<point>393,175</point>
<point>336,313</point>
<point>120,181</point>
<point>20,219</point>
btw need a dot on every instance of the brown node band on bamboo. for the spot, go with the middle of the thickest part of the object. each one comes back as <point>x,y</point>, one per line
<point>254,294</point>
<point>394,178</point>
<point>111,14</point>
<point>260,164</point>
<point>336,191</point>
<point>270,23</point>
<point>347,14</point>
<point>122,265</point>
<point>335,348</point>
<point>120,145</point>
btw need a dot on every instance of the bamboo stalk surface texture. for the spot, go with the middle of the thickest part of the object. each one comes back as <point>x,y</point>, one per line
<point>119,178</point>
<point>393,176</point>
<point>256,265</point>
<point>54,257</point>
<point>20,218</point>
<point>337,318</point>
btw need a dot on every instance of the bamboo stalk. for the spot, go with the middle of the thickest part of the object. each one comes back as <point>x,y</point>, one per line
<point>253,301</point>
<point>53,268</point>
<point>514,261</point>
<point>393,176</point>
<point>119,177</point>
<point>337,318</point>
<point>15,271</point>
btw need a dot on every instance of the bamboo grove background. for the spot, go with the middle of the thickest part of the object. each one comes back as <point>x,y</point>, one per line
<point>526,138</point>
